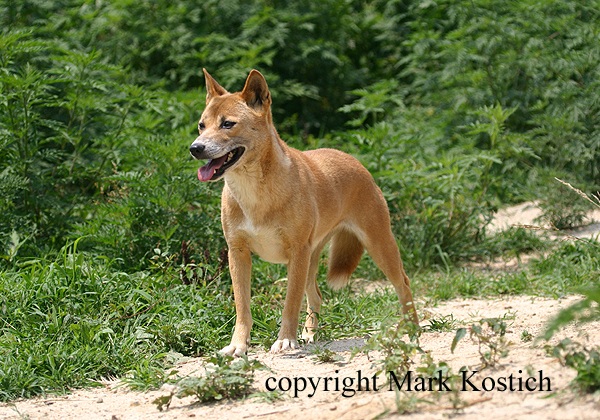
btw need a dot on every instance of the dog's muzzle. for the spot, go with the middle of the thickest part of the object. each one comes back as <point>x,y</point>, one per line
<point>216,165</point>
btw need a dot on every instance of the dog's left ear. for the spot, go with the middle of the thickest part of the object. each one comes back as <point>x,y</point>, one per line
<point>256,92</point>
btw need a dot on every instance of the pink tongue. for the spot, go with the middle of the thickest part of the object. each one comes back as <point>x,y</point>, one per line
<point>207,171</point>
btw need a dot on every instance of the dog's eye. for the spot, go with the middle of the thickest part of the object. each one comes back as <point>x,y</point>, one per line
<point>227,124</point>
<point>201,126</point>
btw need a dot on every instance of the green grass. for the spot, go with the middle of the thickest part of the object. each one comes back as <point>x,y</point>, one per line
<point>73,320</point>
<point>566,267</point>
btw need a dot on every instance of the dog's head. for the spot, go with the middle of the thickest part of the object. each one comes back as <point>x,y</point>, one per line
<point>231,125</point>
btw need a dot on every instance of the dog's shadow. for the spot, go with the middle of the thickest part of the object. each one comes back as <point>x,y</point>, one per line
<point>337,346</point>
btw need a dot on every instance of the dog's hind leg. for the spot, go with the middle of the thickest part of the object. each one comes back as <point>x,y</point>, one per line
<point>384,251</point>
<point>313,299</point>
<point>381,245</point>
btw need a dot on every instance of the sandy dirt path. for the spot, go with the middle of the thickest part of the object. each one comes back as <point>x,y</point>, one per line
<point>523,313</point>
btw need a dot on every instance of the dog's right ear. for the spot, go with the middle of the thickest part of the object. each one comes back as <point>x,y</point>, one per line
<point>256,92</point>
<point>213,88</point>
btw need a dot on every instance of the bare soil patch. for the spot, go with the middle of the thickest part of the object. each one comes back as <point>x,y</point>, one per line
<point>529,215</point>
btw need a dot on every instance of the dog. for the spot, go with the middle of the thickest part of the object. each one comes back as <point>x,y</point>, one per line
<point>286,205</point>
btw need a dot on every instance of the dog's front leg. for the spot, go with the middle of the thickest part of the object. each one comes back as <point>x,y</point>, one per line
<point>240,268</point>
<point>297,275</point>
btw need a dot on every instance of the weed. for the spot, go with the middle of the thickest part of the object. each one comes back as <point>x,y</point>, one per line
<point>442,384</point>
<point>561,210</point>
<point>512,243</point>
<point>324,355</point>
<point>429,368</point>
<point>586,310</point>
<point>585,360</point>
<point>398,345</point>
<point>148,375</point>
<point>526,336</point>
<point>407,403</point>
<point>225,378</point>
<point>489,334</point>
<point>444,323</point>
<point>268,397</point>
<point>19,415</point>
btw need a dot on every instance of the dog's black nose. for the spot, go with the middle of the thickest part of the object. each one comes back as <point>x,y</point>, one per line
<point>196,150</point>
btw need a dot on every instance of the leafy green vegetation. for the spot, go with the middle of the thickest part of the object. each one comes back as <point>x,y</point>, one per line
<point>456,108</point>
<point>585,361</point>
<point>225,378</point>
<point>489,334</point>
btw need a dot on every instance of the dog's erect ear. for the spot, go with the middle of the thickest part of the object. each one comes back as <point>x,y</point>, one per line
<point>213,88</point>
<point>256,92</point>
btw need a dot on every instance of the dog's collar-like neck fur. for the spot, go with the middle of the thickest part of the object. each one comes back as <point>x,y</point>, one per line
<point>254,179</point>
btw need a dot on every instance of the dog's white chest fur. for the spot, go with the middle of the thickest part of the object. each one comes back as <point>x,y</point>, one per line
<point>266,241</point>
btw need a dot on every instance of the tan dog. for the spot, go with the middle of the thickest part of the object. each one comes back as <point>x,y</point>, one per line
<point>286,205</point>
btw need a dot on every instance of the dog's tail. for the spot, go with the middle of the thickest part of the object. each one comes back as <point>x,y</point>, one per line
<point>345,252</point>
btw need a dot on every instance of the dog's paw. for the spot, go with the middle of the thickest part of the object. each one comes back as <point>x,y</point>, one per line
<point>284,345</point>
<point>234,350</point>
<point>308,335</point>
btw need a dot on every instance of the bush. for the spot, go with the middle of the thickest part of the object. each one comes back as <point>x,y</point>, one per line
<point>456,107</point>
<point>86,154</point>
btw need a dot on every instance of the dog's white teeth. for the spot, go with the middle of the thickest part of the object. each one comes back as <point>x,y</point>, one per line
<point>230,155</point>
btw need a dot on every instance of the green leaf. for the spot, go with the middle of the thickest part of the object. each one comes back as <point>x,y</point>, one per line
<point>460,333</point>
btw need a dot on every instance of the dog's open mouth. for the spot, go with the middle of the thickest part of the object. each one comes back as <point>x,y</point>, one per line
<point>215,168</point>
